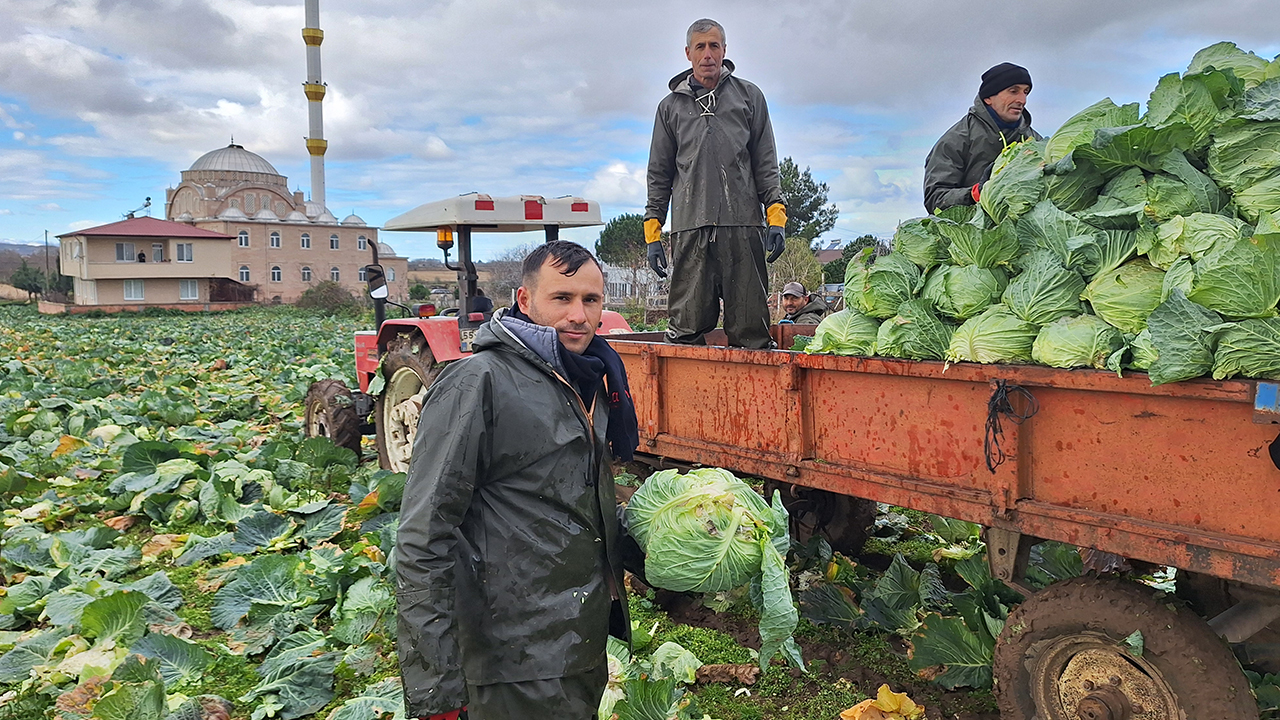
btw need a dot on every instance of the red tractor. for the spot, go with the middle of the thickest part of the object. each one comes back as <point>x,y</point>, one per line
<point>396,363</point>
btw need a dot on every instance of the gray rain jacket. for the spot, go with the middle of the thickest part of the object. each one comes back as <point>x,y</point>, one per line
<point>507,556</point>
<point>713,159</point>
<point>964,155</point>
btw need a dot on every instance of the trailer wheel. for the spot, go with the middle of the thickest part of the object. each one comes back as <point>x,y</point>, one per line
<point>331,413</point>
<point>408,368</point>
<point>845,521</point>
<point>1062,656</point>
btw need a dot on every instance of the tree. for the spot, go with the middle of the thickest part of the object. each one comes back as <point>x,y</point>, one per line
<point>419,292</point>
<point>505,273</point>
<point>29,279</point>
<point>834,271</point>
<point>808,212</point>
<point>622,245</point>
<point>796,264</point>
<point>329,298</point>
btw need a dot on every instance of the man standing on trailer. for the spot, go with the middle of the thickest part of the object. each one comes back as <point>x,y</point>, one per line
<point>508,553</point>
<point>961,160</point>
<point>713,160</point>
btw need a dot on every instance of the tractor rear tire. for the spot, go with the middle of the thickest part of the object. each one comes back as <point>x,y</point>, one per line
<point>845,521</point>
<point>1063,655</point>
<point>408,369</point>
<point>331,413</point>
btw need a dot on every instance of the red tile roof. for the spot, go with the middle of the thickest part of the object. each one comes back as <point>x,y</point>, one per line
<point>147,227</point>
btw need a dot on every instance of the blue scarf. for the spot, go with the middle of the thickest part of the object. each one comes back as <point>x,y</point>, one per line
<point>1000,123</point>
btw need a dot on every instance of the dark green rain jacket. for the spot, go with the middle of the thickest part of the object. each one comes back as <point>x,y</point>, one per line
<point>964,155</point>
<point>811,314</point>
<point>713,160</point>
<point>507,555</point>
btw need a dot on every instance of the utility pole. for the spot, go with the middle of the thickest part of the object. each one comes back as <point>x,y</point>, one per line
<point>44,286</point>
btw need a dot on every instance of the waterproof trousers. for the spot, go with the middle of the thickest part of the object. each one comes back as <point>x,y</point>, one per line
<point>710,264</point>
<point>576,697</point>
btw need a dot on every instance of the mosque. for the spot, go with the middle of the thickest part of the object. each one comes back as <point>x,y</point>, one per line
<point>233,232</point>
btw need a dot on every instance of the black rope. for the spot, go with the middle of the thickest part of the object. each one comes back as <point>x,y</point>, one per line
<point>998,405</point>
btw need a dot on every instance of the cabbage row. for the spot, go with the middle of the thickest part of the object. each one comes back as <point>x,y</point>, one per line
<point>172,546</point>
<point>1124,241</point>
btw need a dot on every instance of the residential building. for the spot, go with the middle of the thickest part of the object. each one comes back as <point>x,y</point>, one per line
<point>150,261</point>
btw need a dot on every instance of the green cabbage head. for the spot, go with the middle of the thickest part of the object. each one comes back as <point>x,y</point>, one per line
<point>844,333</point>
<point>1126,296</point>
<point>707,531</point>
<point>915,333</point>
<point>995,336</point>
<point>964,291</point>
<point>1081,341</point>
<point>877,290</point>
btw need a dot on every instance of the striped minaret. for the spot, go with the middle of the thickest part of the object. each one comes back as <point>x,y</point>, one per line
<point>312,35</point>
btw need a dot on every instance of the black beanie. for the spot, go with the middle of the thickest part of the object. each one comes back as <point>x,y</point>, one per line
<point>1002,76</point>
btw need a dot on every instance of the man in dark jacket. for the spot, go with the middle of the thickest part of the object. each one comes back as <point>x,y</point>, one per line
<point>800,307</point>
<point>961,160</point>
<point>714,162</point>
<point>509,577</point>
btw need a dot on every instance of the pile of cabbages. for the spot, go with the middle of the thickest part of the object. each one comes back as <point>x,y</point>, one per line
<point>1122,242</point>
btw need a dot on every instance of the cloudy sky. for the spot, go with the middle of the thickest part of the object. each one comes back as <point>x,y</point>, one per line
<point>105,102</point>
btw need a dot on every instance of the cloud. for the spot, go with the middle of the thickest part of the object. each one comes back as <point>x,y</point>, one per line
<point>82,224</point>
<point>617,183</point>
<point>4,211</point>
<point>50,207</point>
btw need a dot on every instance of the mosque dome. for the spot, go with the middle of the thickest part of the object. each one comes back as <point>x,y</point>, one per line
<point>385,250</point>
<point>295,217</point>
<point>353,219</point>
<point>233,158</point>
<point>265,214</point>
<point>232,213</point>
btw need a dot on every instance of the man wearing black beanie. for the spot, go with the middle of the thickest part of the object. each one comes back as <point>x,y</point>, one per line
<point>961,160</point>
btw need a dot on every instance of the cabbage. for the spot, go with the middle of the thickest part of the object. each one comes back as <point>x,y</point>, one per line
<point>878,290</point>
<point>1226,56</point>
<point>1186,102</point>
<point>1181,338</point>
<point>917,241</point>
<point>995,336</point>
<point>1244,153</point>
<point>844,333</point>
<point>974,245</point>
<point>914,333</point>
<point>1081,341</point>
<point>1125,296</point>
<point>1074,242</point>
<point>1115,247</point>
<point>1144,350</point>
<point>1250,348</point>
<point>1045,291</point>
<point>1180,189</point>
<point>1078,129</point>
<point>1117,149</point>
<point>1259,199</point>
<point>1072,186</point>
<point>1241,280</point>
<point>962,292</point>
<point>1017,182</point>
<point>707,531</point>
<point>1195,235</point>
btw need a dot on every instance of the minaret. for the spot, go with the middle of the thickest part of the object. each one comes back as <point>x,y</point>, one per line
<point>312,35</point>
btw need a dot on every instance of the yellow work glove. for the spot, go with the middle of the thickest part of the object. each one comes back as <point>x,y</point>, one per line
<point>657,256</point>
<point>776,241</point>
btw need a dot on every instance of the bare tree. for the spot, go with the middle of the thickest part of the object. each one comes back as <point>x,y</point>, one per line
<point>505,271</point>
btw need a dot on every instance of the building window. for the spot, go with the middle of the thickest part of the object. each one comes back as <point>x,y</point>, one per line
<point>244,238</point>
<point>250,201</point>
<point>185,253</point>
<point>124,252</point>
<point>244,273</point>
<point>306,241</point>
<point>391,274</point>
<point>188,289</point>
<point>276,275</point>
<point>363,274</point>
<point>306,273</point>
<point>133,290</point>
<point>333,242</point>
<point>334,275</point>
<point>362,243</point>
<point>275,239</point>
<point>157,252</point>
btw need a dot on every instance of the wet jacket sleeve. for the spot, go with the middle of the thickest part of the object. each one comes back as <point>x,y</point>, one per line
<point>662,168</point>
<point>944,171</point>
<point>449,454</point>
<point>764,153</point>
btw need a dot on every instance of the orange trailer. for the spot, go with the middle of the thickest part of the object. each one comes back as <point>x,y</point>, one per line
<point>1185,475</point>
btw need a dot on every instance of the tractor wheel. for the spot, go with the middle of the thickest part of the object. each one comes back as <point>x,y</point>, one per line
<point>845,521</point>
<point>1063,655</point>
<point>331,413</point>
<point>408,369</point>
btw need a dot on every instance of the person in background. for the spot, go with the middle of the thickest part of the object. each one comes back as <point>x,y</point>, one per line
<point>800,307</point>
<point>481,303</point>
<point>510,549</point>
<point>713,160</point>
<point>961,160</point>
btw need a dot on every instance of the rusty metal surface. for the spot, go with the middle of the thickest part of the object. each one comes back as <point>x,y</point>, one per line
<point>1177,474</point>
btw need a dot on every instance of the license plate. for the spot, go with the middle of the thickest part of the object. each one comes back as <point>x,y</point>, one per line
<point>468,336</point>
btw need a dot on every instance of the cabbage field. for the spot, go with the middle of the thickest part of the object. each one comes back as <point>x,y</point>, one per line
<point>1124,241</point>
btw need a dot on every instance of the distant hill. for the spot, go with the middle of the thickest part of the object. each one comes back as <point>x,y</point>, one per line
<point>29,249</point>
